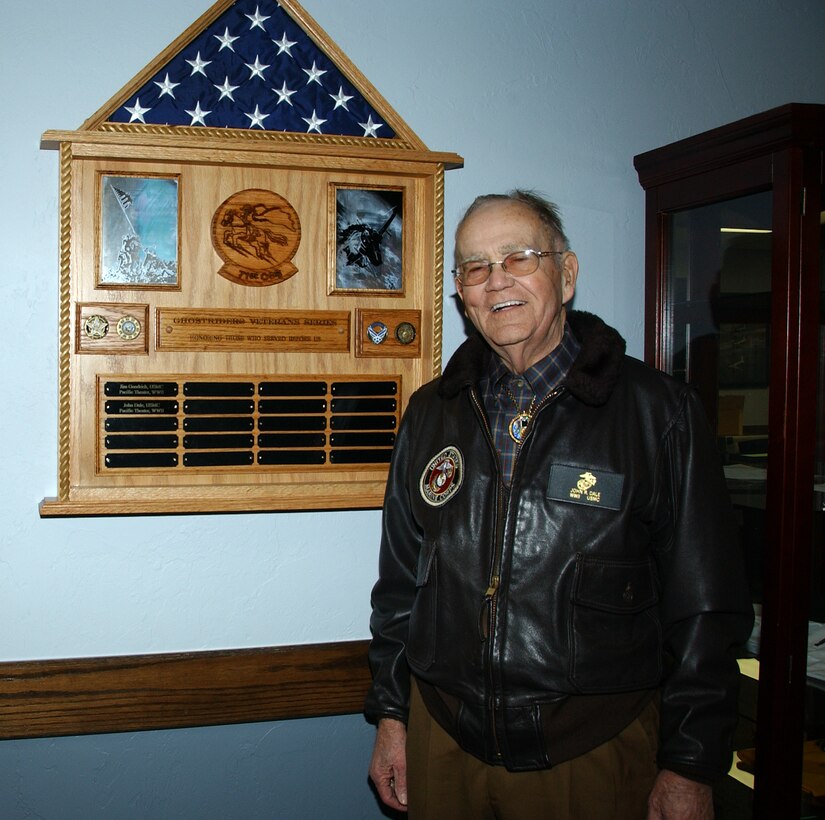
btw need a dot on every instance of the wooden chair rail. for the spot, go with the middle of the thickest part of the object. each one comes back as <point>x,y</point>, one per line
<point>130,693</point>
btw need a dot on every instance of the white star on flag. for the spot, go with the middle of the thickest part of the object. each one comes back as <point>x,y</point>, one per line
<point>313,122</point>
<point>284,45</point>
<point>199,65</point>
<point>370,127</point>
<point>340,98</point>
<point>284,94</point>
<point>137,111</point>
<point>166,87</point>
<point>257,118</point>
<point>257,19</point>
<point>226,40</point>
<point>226,89</point>
<point>314,74</point>
<point>257,68</point>
<point>197,114</point>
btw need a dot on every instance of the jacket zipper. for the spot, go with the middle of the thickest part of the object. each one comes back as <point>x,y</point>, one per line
<point>488,610</point>
<point>492,589</point>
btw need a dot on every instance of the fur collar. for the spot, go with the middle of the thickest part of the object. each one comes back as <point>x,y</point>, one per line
<point>591,379</point>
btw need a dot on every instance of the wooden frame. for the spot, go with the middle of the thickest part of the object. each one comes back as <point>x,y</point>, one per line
<point>256,288</point>
<point>367,255</point>
<point>780,150</point>
<point>136,215</point>
<point>210,171</point>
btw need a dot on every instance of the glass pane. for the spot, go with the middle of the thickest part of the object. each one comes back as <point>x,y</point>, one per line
<point>717,328</point>
<point>813,764</point>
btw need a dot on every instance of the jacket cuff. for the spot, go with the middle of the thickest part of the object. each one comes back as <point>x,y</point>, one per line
<point>373,716</point>
<point>700,774</point>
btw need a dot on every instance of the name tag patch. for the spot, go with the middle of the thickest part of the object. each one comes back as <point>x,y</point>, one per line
<point>579,485</point>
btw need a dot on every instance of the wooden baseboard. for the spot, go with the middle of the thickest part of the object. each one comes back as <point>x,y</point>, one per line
<point>130,693</point>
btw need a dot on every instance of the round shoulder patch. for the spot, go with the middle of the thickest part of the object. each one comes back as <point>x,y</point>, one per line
<point>442,477</point>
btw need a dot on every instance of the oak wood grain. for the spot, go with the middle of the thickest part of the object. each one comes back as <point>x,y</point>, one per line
<point>130,693</point>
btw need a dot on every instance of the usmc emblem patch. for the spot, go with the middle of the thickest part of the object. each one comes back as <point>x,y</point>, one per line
<point>591,487</point>
<point>442,477</point>
<point>584,488</point>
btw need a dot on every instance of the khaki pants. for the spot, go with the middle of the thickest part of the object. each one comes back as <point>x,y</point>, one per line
<point>611,782</point>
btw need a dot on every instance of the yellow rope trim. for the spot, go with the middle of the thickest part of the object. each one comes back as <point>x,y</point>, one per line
<point>251,135</point>
<point>438,305</point>
<point>64,345</point>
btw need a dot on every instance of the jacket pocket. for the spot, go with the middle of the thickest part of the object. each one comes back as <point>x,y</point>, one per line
<point>615,635</point>
<point>421,638</point>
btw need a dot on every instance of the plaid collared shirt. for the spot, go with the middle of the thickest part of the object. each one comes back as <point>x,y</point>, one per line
<point>525,391</point>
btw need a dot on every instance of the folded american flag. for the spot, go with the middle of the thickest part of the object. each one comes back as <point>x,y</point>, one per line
<point>254,67</point>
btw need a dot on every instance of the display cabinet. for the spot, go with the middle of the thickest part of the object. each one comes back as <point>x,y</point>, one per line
<point>733,305</point>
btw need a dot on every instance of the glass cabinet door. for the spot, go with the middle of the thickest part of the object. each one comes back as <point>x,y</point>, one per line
<point>717,323</point>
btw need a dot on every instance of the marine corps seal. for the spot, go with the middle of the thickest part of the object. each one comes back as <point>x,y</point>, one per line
<point>442,477</point>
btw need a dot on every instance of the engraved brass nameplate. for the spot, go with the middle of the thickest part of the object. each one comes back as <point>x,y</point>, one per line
<point>279,330</point>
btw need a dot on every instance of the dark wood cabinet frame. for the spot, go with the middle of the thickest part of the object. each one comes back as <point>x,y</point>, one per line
<point>779,150</point>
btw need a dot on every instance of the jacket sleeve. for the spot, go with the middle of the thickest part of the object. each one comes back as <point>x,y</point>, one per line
<point>706,610</point>
<point>394,592</point>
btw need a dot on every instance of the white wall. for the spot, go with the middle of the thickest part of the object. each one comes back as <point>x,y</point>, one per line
<point>553,94</point>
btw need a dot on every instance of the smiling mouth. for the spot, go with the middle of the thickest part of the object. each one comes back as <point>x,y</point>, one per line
<point>504,305</point>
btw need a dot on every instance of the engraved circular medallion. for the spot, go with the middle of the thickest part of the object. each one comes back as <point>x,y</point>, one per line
<point>96,326</point>
<point>128,328</point>
<point>405,333</point>
<point>256,233</point>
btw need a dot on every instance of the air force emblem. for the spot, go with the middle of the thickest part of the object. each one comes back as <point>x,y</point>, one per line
<point>442,477</point>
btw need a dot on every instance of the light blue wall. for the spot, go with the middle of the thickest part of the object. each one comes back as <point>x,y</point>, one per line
<point>553,94</point>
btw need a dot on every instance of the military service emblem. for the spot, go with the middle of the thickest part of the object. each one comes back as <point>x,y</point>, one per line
<point>256,233</point>
<point>442,476</point>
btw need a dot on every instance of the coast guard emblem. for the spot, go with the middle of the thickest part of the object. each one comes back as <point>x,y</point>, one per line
<point>442,477</point>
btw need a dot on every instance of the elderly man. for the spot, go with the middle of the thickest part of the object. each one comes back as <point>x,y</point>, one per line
<point>560,593</point>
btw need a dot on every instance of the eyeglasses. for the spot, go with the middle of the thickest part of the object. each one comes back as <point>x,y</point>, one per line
<point>518,263</point>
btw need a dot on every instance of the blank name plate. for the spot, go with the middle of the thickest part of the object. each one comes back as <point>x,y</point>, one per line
<point>245,423</point>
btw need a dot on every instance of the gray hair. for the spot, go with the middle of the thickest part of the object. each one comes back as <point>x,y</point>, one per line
<point>546,211</point>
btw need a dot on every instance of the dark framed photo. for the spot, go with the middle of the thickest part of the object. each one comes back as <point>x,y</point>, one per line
<point>368,229</point>
<point>139,233</point>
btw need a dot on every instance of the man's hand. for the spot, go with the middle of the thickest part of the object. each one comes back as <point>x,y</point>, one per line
<point>677,798</point>
<point>388,767</point>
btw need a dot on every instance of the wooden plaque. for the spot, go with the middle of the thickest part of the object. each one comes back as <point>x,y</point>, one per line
<point>243,314</point>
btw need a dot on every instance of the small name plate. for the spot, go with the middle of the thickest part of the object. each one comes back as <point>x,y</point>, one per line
<point>184,423</point>
<point>280,330</point>
<point>142,389</point>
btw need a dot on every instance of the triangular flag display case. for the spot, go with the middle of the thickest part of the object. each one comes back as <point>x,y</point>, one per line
<point>251,260</point>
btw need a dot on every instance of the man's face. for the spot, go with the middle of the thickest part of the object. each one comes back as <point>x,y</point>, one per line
<point>522,318</point>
